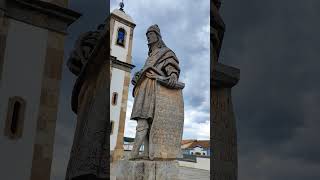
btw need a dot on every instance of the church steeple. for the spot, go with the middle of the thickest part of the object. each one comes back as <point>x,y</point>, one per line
<point>121,33</point>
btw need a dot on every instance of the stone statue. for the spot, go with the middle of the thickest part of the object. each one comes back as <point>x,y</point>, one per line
<point>158,102</point>
<point>89,153</point>
<point>217,32</point>
<point>159,111</point>
<point>223,78</point>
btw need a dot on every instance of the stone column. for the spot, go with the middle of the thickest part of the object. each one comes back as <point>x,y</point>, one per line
<point>4,25</point>
<point>223,78</point>
<point>224,136</point>
<point>118,151</point>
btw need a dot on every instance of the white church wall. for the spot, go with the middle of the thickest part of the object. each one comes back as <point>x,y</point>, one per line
<point>119,51</point>
<point>116,86</point>
<point>22,75</point>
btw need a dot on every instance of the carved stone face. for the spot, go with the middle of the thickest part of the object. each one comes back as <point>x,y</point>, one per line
<point>152,37</point>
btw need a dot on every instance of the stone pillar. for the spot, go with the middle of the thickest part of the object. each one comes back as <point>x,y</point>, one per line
<point>224,136</point>
<point>223,78</point>
<point>118,151</point>
<point>3,37</point>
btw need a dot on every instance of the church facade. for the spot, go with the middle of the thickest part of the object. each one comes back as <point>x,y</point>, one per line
<point>32,37</point>
<point>121,39</point>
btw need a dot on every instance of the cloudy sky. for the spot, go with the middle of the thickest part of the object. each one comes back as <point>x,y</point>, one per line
<point>276,46</point>
<point>184,28</point>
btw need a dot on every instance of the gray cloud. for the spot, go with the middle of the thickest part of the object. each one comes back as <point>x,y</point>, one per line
<point>275,44</point>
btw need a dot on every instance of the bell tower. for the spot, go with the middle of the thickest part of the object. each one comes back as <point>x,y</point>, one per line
<point>121,39</point>
<point>32,37</point>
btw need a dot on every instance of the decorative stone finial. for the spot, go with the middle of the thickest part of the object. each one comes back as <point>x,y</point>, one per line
<point>121,6</point>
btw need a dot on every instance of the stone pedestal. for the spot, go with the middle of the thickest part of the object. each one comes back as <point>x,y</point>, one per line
<point>145,170</point>
<point>224,135</point>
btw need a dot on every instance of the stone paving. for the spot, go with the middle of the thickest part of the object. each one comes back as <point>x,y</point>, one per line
<point>187,173</point>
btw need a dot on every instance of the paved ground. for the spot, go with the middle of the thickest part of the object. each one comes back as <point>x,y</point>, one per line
<point>186,173</point>
<point>194,174</point>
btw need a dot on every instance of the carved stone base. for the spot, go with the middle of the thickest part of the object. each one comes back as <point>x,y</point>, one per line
<point>145,170</point>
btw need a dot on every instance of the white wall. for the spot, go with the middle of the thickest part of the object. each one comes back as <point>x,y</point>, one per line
<point>117,82</point>
<point>202,163</point>
<point>119,51</point>
<point>22,75</point>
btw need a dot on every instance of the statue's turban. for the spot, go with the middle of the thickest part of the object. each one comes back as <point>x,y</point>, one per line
<point>154,28</point>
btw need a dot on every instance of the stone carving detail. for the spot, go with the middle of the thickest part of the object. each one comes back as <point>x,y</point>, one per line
<point>218,29</point>
<point>90,102</point>
<point>159,111</point>
<point>223,78</point>
<point>145,170</point>
<point>158,105</point>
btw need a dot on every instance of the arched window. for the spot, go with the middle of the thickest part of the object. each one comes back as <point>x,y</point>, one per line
<point>15,117</point>
<point>111,127</point>
<point>114,98</point>
<point>121,37</point>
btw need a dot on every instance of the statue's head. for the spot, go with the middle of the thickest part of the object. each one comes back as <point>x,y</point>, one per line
<point>153,34</point>
<point>154,37</point>
<point>217,3</point>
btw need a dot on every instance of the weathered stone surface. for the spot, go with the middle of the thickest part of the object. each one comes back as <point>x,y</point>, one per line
<point>145,170</point>
<point>167,127</point>
<point>158,105</point>
<point>90,150</point>
<point>52,15</point>
<point>46,123</point>
<point>223,78</point>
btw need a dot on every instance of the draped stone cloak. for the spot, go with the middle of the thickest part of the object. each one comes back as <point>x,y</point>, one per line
<point>161,105</point>
<point>89,151</point>
<point>163,62</point>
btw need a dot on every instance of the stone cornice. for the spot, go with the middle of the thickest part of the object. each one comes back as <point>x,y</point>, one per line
<point>39,13</point>
<point>225,76</point>
<point>122,20</point>
<point>121,65</point>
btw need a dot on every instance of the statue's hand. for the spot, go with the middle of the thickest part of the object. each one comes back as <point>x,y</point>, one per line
<point>151,75</point>
<point>135,78</point>
<point>172,80</point>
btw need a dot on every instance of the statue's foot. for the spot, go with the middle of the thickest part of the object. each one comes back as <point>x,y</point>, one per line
<point>133,156</point>
<point>144,157</point>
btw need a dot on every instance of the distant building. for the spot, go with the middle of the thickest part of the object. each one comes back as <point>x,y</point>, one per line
<point>128,144</point>
<point>195,147</point>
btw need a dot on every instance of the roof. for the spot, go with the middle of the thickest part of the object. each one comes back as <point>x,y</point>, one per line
<point>122,15</point>
<point>194,143</point>
<point>187,141</point>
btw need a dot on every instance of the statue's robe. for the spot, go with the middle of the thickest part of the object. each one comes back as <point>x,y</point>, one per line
<point>89,153</point>
<point>164,62</point>
<point>160,105</point>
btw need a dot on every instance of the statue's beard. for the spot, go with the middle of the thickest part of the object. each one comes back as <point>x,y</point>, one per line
<point>153,45</point>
